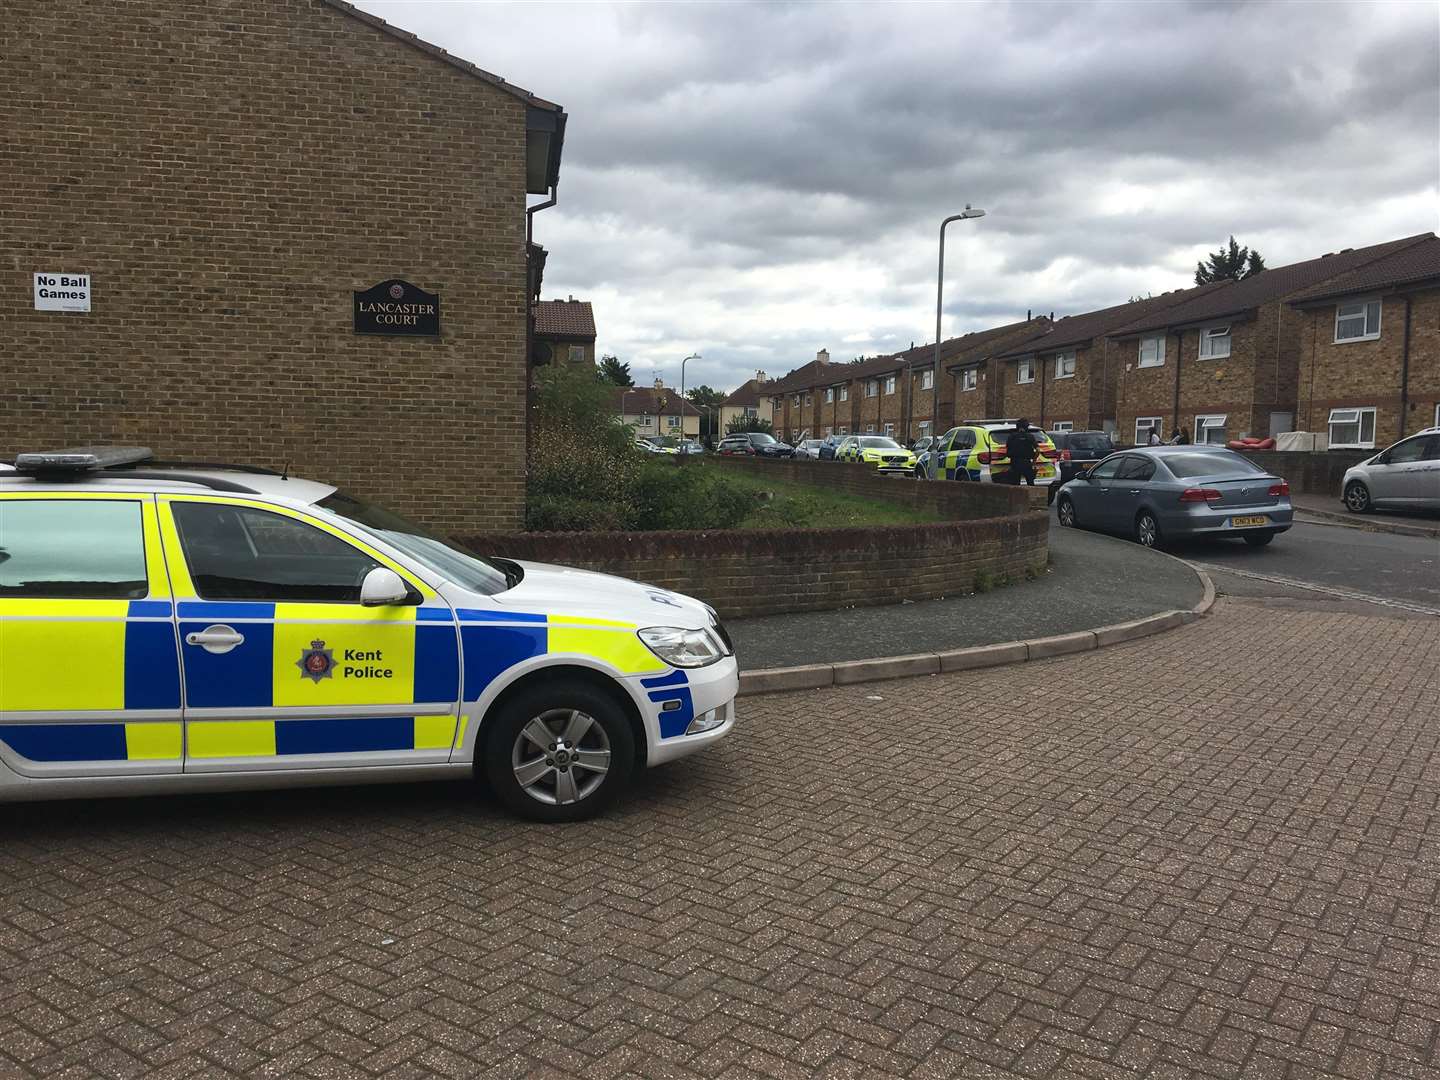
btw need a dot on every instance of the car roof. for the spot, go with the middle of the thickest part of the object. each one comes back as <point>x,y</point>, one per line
<point>175,479</point>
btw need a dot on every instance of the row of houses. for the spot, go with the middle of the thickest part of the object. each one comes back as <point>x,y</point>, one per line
<point>1346,345</point>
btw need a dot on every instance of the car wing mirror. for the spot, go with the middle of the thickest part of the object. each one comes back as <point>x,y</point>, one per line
<point>382,586</point>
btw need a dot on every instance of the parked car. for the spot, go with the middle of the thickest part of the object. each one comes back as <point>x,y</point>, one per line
<point>809,448</point>
<point>883,452</point>
<point>755,443</point>
<point>1405,476</point>
<point>977,452</point>
<point>920,445</point>
<point>829,445</point>
<point>1161,493</point>
<point>1078,451</point>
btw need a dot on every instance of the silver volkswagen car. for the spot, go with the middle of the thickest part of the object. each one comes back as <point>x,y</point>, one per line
<point>1162,493</point>
<point>1405,476</point>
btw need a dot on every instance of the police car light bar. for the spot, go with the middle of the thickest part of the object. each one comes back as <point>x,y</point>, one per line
<point>81,459</point>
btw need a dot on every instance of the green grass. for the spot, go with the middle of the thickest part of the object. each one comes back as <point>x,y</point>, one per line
<point>800,506</point>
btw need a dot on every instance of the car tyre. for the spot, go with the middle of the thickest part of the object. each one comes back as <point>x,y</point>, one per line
<point>1357,497</point>
<point>559,752</point>
<point>1259,539</point>
<point>1147,530</point>
<point>1065,512</point>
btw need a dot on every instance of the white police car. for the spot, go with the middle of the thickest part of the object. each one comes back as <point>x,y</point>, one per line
<point>168,628</point>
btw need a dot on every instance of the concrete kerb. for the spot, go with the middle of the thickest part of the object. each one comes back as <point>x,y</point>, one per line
<point>1309,515</point>
<point>818,676</point>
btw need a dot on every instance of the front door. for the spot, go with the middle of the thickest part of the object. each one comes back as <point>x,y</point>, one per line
<point>89,677</point>
<point>284,667</point>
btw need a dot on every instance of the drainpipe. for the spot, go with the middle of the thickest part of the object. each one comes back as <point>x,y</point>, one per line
<point>1404,371</point>
<point>1179,349</point>
<point>1314,359</point>
<point>530,212</point>
<point>1041,362</point>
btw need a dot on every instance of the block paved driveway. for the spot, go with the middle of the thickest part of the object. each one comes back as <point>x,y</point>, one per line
<point>1215,853</point>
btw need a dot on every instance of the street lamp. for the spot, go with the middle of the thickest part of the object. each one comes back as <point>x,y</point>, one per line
<point>623,395</point>
<point>692,356</point>
<point>965,215</point>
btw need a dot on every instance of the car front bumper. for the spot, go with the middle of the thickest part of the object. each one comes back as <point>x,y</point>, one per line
<point>706,691</point>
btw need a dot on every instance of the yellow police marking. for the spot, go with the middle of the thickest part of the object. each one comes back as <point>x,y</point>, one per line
<point>69,666</point>
<point>372,663</point>
<point>152,742</point>
<point>618,647</point>
<point>231,738</point>
<point>434,732</point>
<point>460,733</point>
<point>174,555</point>
<point>154,553</point>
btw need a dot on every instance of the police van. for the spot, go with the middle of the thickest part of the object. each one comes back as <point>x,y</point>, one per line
<point>172,628</point>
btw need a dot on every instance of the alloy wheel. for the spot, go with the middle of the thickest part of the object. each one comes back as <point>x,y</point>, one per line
<point>1147,531</point>
<point>1357,498</point>
<point>560,757</point>
<point>1066,513</point>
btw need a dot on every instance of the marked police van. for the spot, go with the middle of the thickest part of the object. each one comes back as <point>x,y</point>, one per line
<point>173,628</point>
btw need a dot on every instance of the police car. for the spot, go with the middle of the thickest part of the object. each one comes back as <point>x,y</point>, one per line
<point>976,451</point>
<point>168,628</point>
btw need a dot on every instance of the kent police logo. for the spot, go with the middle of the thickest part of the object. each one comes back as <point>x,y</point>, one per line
<point>316,662</point>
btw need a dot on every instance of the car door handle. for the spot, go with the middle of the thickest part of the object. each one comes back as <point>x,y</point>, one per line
<point>1134,491</point>
<point>216,639</point>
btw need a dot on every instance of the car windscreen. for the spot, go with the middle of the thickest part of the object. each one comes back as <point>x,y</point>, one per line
<point>880,442</point>
<point>1184,466</point>
<point>450,561</point>
<point>663,440</point>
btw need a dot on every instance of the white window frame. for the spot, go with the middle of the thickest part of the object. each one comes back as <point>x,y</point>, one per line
<point>1361,414</point>
<point>845,392</point>
<point>1024,372</point>
<point>807,400</point>
<point>1064,370</point>
<point>1363,314</point>
<point>925,429</point>
<point>828,431</point>
<point>1210,336</point>
<point>869,429</point>
<point>889,384</point>
<point>795,400</point>
<point>1062,425</point>
<point>842,431</point>
<point>1206,424</point>
<point>750,410</point>
<point>927,379</point>
<point>577,354</point>
<point>672,421</point>
<point>969,379</point>
<point>1157,358</point>
<point>1437,414</point>
<point>829,395</point>
<point>889,431</point>
<point>1147,424</point>
<point>872,388</point>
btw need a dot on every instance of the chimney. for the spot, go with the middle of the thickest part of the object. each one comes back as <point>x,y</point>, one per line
<point>760,377</point>
<point>659,383</point>
<point>571,299</point>
<point>823,356</point>
<point>1052,316</point>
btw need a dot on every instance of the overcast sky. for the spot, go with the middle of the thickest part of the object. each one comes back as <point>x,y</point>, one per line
<point>755,182</point>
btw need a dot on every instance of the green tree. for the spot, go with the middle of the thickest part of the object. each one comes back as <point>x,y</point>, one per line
<point>611,370</point>
<point>1233,262</point>
<point>707,399</point>
<point>749,423</point>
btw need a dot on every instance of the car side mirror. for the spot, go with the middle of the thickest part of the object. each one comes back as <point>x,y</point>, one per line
<point>382,586</point>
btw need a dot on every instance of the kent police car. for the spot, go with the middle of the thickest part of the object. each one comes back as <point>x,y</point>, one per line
<point>170,627</point>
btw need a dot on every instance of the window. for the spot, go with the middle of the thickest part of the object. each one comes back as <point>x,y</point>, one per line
<point>829,395</point>
<point>1357,321</point>
<point>842,431</point>
<point>889,384</point>
<point>1352,429</point>
<point>1152,351</point>
<point>672,422</point>
<point>1025,370</point>
<point>890,430</point>
<point>869,429</point>
<point>89,549</point>
<point>1107,469</point>
<point>1210,430</point>
<point>1214,342</point>
<point>924,429</point>
<point>807,401</point>
<point>845,392</point>
<point>1065,365</point>
<point>969,378</point>
<point>872,388</point>
<point>240,553</point>
<point>795,400</point>
<point>1202,463</point>
<point>749,410</point>
<point>1411,450</point>
<point>1063,425</point>
<point>1135,467</point>
<point>577,354</point>
<point>927,379</point>
<point>1144,425</point>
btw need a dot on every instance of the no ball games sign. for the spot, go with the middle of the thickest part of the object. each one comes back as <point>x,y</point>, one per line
<point>62,292</point>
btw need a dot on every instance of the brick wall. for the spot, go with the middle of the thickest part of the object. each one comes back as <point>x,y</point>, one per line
<point>745,572</point>
<point>1309,474</point>
<point>1368,373</point>
<point>228,174</point>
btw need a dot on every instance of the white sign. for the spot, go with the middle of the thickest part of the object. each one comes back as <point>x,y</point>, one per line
<point>62,292</point>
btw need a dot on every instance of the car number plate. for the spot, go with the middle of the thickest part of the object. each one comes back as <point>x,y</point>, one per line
<point>1244,522</point>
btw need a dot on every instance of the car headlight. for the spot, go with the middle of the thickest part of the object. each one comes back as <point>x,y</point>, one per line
<point>682,648</point>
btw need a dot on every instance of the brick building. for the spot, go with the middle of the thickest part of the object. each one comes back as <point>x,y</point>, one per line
<point>565,330</point>
<point>1226,363</point>
<point>1370,350</point>
<point>227,176</point>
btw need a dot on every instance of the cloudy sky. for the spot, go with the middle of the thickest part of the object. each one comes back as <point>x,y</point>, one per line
<point>755,182</point>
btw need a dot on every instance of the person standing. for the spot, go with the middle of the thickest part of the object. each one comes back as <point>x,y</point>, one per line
<point>1154,437</point>
<point>1021,449</point>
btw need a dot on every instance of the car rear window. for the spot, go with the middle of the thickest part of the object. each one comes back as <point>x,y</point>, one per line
<point>1087,442</point>
<point>1184,466</point>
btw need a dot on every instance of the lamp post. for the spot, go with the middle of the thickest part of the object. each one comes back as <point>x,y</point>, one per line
<point>623,395</point>
<point>692,356</point>
<point>964,215</point>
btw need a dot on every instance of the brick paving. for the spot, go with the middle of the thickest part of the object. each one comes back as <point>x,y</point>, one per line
<point>1215,853</point>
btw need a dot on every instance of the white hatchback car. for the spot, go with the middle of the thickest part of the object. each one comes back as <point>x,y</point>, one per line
<point>1405,476</point>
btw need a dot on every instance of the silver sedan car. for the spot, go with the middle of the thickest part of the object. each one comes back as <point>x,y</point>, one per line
<point>1404,477</point>
<point>1162,493</point>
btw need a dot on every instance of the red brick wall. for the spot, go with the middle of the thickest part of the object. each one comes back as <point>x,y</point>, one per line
<point>228,173</point>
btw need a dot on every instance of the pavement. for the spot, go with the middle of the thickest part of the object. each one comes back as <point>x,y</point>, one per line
<point>1078,593</point>
<point>1214,853</point>
<point>1320,509</point>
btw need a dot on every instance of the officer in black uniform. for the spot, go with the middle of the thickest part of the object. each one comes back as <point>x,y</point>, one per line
<point>1021,449</point>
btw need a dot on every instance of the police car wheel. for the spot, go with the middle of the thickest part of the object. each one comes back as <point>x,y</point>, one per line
<point>559,753</point>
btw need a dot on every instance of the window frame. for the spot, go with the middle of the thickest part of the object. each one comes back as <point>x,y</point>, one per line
<point>1363,314</point>
<point>970,379</point>
<point>1361,412</point>
<point>872,387</point>
<point>1027,367</point>
<point>889,384</point>
<point>1202,424</point>
<point>1063,426</point>
<point>572,358</point>
<point>1158,426</point>
<point>1158,340</point>
<point>829,395</point>
<point>845,392</point>
<point>1062,355</point>
<point>927,379</point>
<point>1209,335</point>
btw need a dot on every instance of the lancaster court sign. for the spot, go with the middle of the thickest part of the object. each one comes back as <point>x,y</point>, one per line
<point>397,307</point>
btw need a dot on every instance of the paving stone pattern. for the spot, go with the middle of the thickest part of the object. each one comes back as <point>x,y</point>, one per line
<point>1214,853</point>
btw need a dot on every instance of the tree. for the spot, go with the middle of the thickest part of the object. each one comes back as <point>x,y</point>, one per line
<point>749,423</point>
<point>1232,263</point>
<point>612,371</point>
<point>707,400</point>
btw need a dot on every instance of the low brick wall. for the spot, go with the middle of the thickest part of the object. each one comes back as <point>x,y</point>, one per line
<point>1310,473</point>
<point>743,572</point>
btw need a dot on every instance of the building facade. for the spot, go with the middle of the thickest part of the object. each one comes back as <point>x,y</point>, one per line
<point>226,181</point>
<point>565,332</point>
<point>750,399</point>
<point>656,410</point>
